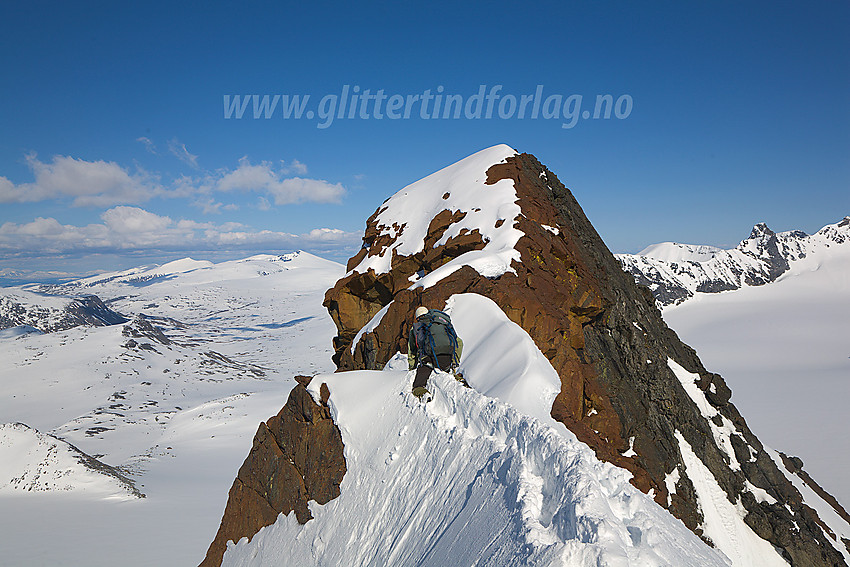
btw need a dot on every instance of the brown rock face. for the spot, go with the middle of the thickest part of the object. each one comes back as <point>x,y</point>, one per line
<point>297,456</point>
<point>605,338</point>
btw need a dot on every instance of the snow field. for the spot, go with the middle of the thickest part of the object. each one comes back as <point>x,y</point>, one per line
<point>177,421</point>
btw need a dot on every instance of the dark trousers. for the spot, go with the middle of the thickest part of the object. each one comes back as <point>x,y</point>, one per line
<point>423,371</point>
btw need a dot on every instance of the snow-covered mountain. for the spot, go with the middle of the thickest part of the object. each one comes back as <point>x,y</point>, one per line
<point>168,399</point>
<point>480,476</point>
<point>675,272</point>
<point>591,435</point>
<point>783,344</point>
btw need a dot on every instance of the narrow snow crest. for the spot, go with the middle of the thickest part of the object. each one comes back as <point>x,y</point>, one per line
<point>462,480</point>
<point>405,217</point>
<point>500,359</point>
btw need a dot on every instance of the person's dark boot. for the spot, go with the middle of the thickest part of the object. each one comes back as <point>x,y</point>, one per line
<point>422,393</point>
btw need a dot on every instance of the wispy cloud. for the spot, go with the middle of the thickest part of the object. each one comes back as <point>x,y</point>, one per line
<point>209,206</point>
<point>179,150</point>
<point>149,145</point>
<point>295,167</point>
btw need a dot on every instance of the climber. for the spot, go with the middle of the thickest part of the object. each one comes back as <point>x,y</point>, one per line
<point>432,344</point>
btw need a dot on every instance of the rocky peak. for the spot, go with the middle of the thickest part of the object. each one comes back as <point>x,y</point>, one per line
<point>761,230</point>
<point>501,225</point>
<point>296,456</point>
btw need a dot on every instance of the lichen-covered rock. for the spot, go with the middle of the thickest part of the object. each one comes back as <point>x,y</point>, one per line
<point>297,456</point>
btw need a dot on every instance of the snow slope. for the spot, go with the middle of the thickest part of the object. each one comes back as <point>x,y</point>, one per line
<point>175,417</point>
<point>675,252</point>
<point>33,461</point>
<point>24,308</point>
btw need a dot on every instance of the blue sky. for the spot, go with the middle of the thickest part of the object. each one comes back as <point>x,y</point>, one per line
<point>115,150</point>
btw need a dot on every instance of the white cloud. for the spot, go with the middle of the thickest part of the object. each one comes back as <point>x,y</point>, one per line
<point>88,183</point>
<point>327,234</point>
<point>264,178</point>
<point>133,220</point>
<point>134,229</point>
<point>180,152</point>
<point>105,184</point>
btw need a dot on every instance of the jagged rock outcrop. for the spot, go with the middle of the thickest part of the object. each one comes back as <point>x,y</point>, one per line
<point>297,456</point>
<point>626,389</point>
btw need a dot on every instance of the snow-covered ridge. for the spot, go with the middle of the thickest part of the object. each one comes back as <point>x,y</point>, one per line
<point>501,362</point>
<point>467,480</point>
<point>460,188</point>
<point>675,272</point>
<point>49,313</point>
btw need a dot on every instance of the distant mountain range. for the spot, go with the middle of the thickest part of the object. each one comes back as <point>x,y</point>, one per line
<point>675,272</point>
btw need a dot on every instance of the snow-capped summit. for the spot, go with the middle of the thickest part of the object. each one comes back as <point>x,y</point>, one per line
<point>447,206</point>
<point>675,272</point>
<point>675,252</point>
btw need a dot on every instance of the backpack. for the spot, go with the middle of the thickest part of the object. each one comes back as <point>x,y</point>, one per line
<point>436,335</point>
